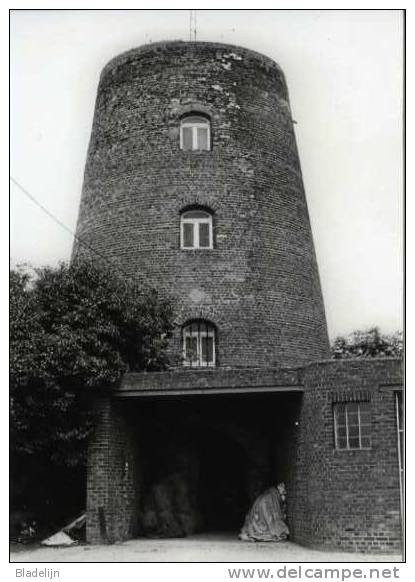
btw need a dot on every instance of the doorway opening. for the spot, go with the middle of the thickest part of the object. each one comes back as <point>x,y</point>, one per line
<point>203,460</point>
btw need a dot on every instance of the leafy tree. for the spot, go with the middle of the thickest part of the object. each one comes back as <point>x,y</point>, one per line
<point>368,344</point>
<point>74,330</point>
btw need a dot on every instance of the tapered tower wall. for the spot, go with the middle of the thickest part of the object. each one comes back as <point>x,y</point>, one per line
<point>259,284</point>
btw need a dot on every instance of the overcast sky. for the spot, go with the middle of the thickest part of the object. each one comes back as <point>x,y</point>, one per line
<point>344,73</point>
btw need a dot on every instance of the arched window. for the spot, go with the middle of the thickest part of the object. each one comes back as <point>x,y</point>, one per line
<point>199,344</point>
<point>194,133</point>
<point>196,230</point>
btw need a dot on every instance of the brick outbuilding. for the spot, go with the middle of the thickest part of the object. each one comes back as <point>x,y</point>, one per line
<point>193,182</point>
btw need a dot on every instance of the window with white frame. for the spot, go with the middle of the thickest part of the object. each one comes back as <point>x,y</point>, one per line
<point>195,133</point>
<point>199,344</point>
<point>196,230</point>
<point>352,425</point>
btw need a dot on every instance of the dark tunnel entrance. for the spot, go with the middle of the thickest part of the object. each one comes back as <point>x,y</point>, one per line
<point>203,460</point>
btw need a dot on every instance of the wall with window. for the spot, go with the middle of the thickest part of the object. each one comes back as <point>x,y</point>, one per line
<point>195,133</point>
<point>199,344</point>
<point>347,462</point>
<point>196,229</point>
<point>341,494</point>
<point>205,127</point>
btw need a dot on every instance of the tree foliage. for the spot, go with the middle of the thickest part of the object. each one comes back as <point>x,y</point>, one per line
<point>74,330</point>
<point>368,344</point>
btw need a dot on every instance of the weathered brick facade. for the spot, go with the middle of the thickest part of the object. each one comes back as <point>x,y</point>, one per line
<point>340,499</point>
<point>270,397</point>
<point>348,499</point>
<point>259,284</point>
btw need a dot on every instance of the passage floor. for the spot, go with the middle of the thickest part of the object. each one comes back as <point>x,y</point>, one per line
<point>197,548</point>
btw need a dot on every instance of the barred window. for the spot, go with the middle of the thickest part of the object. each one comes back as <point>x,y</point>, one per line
<point>352,425</point>
<point>199,349</point>
<point>195,133</point>
<point>196,230</point>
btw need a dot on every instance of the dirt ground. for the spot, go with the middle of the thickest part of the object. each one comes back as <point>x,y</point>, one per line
<point>203,548</point>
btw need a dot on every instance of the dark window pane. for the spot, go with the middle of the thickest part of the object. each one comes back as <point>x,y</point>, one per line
<point>191,349</point>
<point>354,443</point>
<point>341,443</point>
<point>353,431</point>
<point>340,414</point>
<point>187,138</point>
<point>207,349</point>
<point>365,442</point>
<point>341,430</point>
<point>202,138</point>
<point>188,235</point>
<point>204,228</point>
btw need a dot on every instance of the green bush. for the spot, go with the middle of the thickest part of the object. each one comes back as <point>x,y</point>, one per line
<point>74,331</point>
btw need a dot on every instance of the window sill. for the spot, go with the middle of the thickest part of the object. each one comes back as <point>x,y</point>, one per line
<point>200,368</point>
<point>197,249</point>
<point>195,152</point>
<point>352,450</point>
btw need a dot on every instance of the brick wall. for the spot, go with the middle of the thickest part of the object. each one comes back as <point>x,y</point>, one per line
<point>186,380</point>
<point>260,283</point>
<point>348,499</point>
<point>113,478</point>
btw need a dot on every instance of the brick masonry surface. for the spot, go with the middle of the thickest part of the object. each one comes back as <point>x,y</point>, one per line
<point>111,476</point>
<point>347,500</point>
<point>210,379</point>
<point>259,285</point>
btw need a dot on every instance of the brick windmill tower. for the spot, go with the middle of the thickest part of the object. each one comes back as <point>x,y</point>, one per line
<point>193,180</point>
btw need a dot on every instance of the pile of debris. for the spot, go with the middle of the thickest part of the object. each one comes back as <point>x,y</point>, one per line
<point>71,534</point>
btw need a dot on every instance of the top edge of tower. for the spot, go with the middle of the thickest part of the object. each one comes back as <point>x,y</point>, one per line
<point>162,46</point>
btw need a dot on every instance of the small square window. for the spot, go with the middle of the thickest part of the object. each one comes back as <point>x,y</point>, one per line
<point>195,133</point>
<point>352,425</point>
<point>196,230</point>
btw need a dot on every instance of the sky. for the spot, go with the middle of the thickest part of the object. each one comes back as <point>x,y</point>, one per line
<point>345,76</point>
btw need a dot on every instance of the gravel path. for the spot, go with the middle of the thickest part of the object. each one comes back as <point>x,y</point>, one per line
<point>194,549</point>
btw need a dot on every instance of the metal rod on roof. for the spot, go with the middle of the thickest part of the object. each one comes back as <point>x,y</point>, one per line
<point>192,25</point>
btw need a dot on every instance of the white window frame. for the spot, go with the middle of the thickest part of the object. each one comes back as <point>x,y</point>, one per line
<point>196,223</point>
<point>194,126</point>
<point>199,334</point>
<point>336,434</point>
